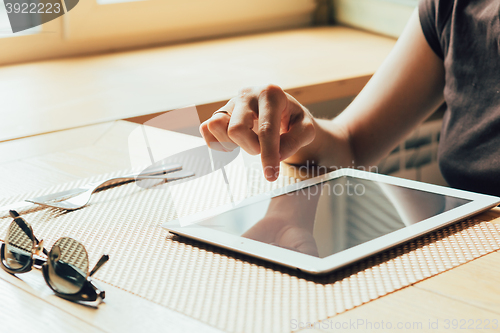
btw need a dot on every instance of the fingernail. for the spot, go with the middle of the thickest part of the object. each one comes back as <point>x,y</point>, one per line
<point>269,174</point>
<point>272,173</point>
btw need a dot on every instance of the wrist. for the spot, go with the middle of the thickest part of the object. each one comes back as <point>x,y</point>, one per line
<point>331,146</point>
<point>308,154</point>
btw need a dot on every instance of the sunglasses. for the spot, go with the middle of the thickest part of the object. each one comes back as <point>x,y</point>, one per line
<point>66,269</point>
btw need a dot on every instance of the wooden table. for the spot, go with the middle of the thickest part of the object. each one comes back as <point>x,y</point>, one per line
<point>57,130</point>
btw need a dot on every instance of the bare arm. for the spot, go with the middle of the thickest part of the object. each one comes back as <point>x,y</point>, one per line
<point>406,89</point>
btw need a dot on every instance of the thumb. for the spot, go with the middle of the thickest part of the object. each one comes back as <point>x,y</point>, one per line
<point>299,135</point>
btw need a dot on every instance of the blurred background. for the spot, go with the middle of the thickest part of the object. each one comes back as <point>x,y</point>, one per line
<point>110,25</point>
<point>103,26</point>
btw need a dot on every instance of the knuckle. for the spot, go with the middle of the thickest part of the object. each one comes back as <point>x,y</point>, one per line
<point>235,130</point>
<point>234,101</point>
<point>266,129</point>
<point>247,98</point>
<point>245,91</point>
<point>204,127</point>
<point>216,124</point>
<point>272,90</point>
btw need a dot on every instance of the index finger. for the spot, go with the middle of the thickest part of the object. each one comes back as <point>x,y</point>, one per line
<point>272,102</point>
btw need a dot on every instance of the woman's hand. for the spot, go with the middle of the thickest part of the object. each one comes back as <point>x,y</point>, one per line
<point>261,120</point>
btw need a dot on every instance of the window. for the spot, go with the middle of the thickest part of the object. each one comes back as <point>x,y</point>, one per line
<point>387,17</point>
<point>100,25</point>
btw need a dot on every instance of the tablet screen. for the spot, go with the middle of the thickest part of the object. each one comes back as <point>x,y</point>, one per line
<point>326,218</point>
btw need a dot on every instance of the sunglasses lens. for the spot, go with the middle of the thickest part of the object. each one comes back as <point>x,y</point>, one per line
<point>68,266</point>
<point>19,244</point>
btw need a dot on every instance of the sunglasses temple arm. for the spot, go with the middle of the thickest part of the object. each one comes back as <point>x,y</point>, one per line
<point>13,213</point>
<point>22,224</point>
<point>99,264</point>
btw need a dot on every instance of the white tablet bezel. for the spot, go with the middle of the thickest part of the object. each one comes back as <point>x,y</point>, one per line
<point>315,265</point>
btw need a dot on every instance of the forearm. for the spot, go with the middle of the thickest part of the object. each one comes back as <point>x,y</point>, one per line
<point>406,89</point>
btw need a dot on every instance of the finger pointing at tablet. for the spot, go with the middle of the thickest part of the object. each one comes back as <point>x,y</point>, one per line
<point>263,120</point>
<point>273,107</point>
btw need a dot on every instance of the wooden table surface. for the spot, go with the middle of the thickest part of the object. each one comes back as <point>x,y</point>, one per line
<point>76,142</point>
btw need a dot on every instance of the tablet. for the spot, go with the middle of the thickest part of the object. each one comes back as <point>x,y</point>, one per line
<point>327,222</point>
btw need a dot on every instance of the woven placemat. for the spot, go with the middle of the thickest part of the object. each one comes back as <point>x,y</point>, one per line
<point>228,290</point>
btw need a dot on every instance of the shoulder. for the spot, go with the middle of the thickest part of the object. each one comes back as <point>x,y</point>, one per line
<point>434,16</point>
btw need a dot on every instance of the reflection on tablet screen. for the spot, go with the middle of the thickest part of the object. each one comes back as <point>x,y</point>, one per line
<point>327,218</point>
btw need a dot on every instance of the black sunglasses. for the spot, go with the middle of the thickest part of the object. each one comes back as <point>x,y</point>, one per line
<point>66,269</point>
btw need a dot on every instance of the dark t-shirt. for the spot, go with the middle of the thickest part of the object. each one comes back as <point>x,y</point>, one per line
<point>466,35</point>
